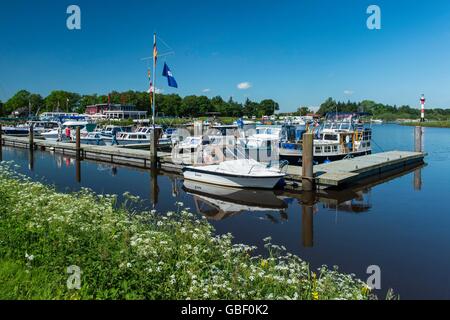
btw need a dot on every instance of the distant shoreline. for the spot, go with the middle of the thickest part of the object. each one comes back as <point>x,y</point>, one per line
<point>431,124</point>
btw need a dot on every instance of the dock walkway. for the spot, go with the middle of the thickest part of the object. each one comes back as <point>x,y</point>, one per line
<point>348,171</point>
<point>330,175</point>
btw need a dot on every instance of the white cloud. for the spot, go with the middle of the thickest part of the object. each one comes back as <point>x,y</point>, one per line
<point>206,90</point>
<point>349,92</point>
<point>244,85</point>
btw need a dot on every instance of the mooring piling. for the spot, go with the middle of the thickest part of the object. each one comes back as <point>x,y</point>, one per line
<point>154,137</point>
<point>418,139</point>
<point>307,163</point>
<point>78,144</point>
<point>31,137</point>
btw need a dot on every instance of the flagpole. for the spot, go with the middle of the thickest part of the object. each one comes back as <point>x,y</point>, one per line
<point>154,83</point>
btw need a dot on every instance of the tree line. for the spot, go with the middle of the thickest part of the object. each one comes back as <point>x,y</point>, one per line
<point>166,104</point>
<point>382,111</point>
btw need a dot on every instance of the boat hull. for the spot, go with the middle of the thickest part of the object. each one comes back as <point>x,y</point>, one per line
<point>228,180</point>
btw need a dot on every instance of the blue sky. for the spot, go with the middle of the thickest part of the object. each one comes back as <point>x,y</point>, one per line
<point>297,52</point>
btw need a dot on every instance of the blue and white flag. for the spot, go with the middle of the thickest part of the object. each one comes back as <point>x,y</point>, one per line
<point>170,79</point>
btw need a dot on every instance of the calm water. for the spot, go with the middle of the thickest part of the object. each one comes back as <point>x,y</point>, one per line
<point>402,225</point>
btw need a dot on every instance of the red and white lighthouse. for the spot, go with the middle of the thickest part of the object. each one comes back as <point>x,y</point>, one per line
<point>422,111</point>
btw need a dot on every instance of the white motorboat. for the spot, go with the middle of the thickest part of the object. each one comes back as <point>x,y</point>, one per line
<point>241,173</point>
<point>66,132</point>
<point>164,141</point>
<point>264,137</point>
<point>16,130</point>
<point>92,138</point>
<point>341,135</point>
<point>110,131</point>
<point>127,138</point>
<point>40,127</point>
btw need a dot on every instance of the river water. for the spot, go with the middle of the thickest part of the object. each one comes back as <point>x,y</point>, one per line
<point>401,225</point>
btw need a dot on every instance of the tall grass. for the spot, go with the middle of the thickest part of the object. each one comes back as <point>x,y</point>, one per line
<point>124,254</point>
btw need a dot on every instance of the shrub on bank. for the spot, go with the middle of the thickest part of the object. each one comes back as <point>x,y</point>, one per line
<point>124,254</point>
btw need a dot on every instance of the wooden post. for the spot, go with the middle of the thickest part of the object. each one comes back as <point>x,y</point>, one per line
<point>31,137</point>
<point>154,137</point>
<point>418,139</point>
<point>78,144</point>
<point>307,163</point>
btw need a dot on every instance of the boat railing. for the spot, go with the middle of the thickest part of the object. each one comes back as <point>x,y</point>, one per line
<point>282,165</point>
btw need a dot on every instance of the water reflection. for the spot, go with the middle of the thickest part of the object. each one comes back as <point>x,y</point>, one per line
<point>31,159</point>
<point>218,203</point>
<point>78,170</point>
<point>154,187</point>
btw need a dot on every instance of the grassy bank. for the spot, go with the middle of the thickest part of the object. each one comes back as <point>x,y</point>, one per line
<point>432,124</point>
<point>129,255</point>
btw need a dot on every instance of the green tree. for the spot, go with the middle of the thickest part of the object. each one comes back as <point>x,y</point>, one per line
<point>20,100</point>
<point>328,106</point>
<point>60,100</point>
<point>189,106</point>
<point>303,111</point>
<point>267,107</point>
<point>169,104</point>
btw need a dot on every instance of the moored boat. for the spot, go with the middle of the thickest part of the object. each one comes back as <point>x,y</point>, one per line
<point>241,173</point>
<point>342,135</point>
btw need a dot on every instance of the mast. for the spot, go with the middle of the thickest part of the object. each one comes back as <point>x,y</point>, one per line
<point>154,79</point>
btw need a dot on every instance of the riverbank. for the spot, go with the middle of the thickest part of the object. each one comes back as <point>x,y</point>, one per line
<point>432,124</point>
<point>123,254</point>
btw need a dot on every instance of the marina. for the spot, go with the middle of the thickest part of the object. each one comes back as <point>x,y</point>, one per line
<point>332,174</point>
<point>248,155</point>
<point>325,227</point>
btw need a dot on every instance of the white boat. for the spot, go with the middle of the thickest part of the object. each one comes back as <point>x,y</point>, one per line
<point>92,138</point>
<point>341,135</point>
<point>264,137</point>
<point>40,127</point>
<point>242,173</point>
<point>127,138</point>
<point>111,131</point>
<point>164,141</point>
<point>60,134</point>
<point>16,130</point>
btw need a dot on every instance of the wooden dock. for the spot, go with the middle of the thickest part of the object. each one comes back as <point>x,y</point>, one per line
<point>337,174</point>
<point>348,171</point>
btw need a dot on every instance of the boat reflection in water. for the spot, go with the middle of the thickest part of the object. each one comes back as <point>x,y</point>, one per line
<point>218,203</point>
<point>361,202</point>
